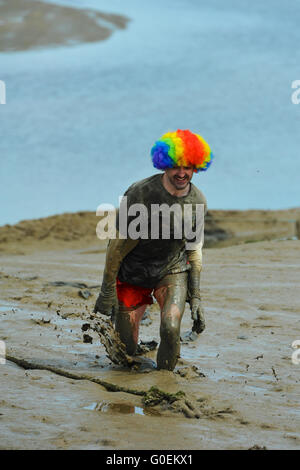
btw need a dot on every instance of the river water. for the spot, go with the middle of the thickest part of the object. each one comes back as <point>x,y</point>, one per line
<point>80,121</point>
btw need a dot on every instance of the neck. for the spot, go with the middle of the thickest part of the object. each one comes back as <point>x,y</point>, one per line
<point>172,190</point>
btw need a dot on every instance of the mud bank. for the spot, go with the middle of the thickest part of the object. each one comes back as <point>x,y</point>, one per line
<point>34,25</point>
<point>222,228</point>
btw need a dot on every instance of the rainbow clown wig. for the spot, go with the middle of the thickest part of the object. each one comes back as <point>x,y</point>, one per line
<point>181,148</point>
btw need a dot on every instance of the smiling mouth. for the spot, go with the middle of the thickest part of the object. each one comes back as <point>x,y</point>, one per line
<point>181,180</point>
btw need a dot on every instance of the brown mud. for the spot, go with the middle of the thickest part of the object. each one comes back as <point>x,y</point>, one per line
<point>115,349</point>
<point>234,387</point>
<point>222,228</point>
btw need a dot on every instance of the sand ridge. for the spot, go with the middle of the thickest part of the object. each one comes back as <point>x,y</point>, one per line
<point>222,228</point>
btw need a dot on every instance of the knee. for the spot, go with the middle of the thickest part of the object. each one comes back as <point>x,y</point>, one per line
<point>170,330</point>
<point>170,323</point>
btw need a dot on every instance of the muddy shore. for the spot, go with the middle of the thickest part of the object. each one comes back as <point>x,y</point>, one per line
<point>240,386</point>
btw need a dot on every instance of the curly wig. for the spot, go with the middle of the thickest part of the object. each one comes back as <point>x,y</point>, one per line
<point>181,148</point>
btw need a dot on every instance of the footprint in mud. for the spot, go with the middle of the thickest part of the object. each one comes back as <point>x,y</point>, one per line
<point>189,372</point>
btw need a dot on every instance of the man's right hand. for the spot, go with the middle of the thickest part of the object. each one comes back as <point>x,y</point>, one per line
<point>106,304</point>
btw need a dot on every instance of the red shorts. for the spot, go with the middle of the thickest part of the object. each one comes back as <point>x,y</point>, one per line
<point>132,296</point>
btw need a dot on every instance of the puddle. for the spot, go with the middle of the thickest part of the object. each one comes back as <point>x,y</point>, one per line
<point>123,408</point>
<point>13,307</point>
<point>7,308</point>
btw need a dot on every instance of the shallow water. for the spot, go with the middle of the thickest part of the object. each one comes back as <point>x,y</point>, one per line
<point>80,121</point>
<point>122,408</point>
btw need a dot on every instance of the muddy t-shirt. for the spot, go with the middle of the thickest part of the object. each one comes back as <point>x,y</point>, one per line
<point>161,249</point>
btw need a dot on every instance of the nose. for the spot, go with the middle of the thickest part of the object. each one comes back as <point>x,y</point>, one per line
<point>181,171</point>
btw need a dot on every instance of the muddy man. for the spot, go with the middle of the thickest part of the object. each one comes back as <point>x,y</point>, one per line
<point>160,260</point>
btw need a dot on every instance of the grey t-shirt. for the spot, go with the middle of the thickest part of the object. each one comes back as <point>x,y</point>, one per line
<point>152,259</point>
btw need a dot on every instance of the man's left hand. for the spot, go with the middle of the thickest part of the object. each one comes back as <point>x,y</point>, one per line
<point>197,313</point>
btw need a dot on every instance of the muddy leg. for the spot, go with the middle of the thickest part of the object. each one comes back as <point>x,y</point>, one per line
<point>127,325</point>
<point>171,296</point>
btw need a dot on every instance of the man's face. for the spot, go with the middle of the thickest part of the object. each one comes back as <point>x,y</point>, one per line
<point>179,176</point>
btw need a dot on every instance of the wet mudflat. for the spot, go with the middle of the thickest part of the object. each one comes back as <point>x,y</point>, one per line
<point>235,386</point>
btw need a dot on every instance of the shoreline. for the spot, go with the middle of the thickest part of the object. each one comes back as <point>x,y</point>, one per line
<point>222,228</point>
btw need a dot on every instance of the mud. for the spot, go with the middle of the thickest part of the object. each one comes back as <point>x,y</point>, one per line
<point>235,227</point>
<point>115,349</point>
<point>57,392</point>
<point>34,25</point>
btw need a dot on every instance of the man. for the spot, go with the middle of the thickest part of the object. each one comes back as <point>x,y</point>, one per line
<point>167,268</point>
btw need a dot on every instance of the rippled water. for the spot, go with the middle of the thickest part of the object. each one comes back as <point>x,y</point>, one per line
<point>80,121</point>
